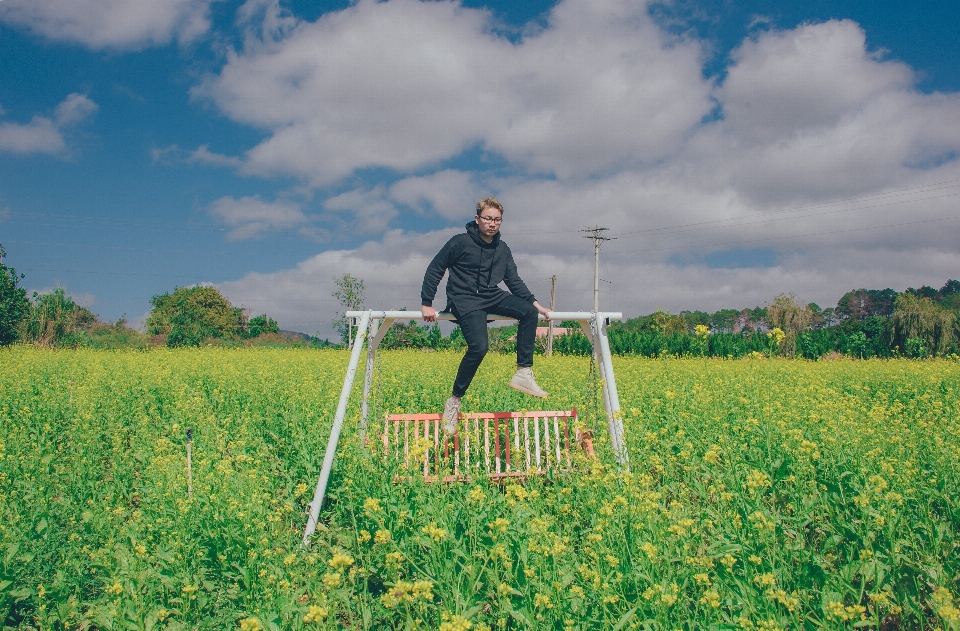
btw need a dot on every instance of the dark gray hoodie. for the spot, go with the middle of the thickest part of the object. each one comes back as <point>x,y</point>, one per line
<point>476,268</point>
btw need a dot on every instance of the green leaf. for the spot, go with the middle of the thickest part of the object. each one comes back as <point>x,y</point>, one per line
<point>519,617</point>
<point>469,613</point>
<point>627,617</point>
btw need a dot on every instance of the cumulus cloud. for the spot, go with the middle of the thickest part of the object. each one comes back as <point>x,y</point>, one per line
<point>600,88</point>
<point>43,134</point>
<point>809,78</point>
<point>813,150</point>
<point>811,114</point>
<point>132,24</point>
<point>300,298</point>
<point>252,217</point>
<point>449,193</point>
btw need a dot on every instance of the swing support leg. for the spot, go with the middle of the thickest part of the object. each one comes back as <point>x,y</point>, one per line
<point>595,331</point>
<point>331,450</point>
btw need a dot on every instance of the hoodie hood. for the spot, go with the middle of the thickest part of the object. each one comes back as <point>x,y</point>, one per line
<point>474,231</point>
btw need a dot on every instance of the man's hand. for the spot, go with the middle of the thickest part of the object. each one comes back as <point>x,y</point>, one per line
<point>543,310</point>
<point>429,313</point>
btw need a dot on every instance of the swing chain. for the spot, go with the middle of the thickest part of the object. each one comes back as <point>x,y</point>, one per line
<point>594,400</point>
<point>377,386</point>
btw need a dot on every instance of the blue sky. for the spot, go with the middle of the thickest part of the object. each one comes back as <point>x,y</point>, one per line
<point>736,150</point>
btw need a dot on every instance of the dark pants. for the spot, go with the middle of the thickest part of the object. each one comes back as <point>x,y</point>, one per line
<point>474,327</point>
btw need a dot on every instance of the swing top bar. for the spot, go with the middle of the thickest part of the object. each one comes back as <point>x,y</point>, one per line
<point>418,315</point>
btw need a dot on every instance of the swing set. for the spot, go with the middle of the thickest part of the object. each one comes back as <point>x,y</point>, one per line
<point>496,445</point>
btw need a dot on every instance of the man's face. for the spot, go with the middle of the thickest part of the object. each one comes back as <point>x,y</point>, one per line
<point>488,220</point>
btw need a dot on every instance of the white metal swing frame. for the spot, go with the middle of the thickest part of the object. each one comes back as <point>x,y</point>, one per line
<point>372,327</point>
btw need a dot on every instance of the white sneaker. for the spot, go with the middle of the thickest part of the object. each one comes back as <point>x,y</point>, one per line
<point>451,412</point>
<point>524,382</point>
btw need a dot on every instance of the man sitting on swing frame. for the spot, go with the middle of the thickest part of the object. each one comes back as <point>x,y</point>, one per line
<point>478,261</point>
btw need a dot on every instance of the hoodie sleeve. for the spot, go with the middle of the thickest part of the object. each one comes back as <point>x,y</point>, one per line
<point>435,271</point>
<point>513,282</point>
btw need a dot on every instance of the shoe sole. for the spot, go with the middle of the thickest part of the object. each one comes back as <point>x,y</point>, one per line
<point>528,392</point>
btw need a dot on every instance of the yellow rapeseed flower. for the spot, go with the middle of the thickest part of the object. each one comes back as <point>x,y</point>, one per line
<point>250,624</point>
<point>476,494</point>
<point>455,623</point>
<point>434,532</point>
<point>316,614</point>
<point>340,561</point>
<point>757,480</point>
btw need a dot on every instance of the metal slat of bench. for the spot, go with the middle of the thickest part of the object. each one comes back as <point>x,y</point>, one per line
<point>496,456</point>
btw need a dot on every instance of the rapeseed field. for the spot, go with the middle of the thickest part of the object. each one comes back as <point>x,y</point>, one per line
<point>762,495</point>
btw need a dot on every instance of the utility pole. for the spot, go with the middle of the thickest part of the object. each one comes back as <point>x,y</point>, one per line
<point>597,237</point>
<point>553,298</point>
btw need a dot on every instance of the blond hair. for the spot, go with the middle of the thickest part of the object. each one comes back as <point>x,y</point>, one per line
<point>489,202</point>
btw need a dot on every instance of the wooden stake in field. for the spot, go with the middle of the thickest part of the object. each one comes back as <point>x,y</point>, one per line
<point>553,297</point>
<point>189,461</point>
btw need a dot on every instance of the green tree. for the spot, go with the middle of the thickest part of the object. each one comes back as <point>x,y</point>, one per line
<point>258,325</point>
<point>14,305</point>
<point>791,317</point>
<point>724,320</point>
<point>349,293</point>
<point>54,319</point>
<point>860,304</point>
<point>191,314</point>
<point>920,326</point>
<point>695,318</point>
<point>664,323</point>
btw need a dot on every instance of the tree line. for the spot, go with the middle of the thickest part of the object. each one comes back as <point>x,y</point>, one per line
<point>923,322</point>
<point>865,323</point>
<point>187,316</point>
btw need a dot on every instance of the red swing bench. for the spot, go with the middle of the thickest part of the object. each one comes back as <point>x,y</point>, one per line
<point>495,445</point>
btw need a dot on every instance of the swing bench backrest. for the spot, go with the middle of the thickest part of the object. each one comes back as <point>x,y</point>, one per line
<point>496,445</point>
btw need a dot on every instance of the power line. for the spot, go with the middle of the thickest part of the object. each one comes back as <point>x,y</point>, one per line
<point>797,236</point>
<point>761,218</point>
<point>874,196</point>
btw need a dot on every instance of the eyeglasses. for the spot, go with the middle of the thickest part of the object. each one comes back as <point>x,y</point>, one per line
<point>490,219</point>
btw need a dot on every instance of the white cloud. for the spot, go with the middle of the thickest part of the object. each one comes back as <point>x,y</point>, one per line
<point>601,120</point>
<point>362,211</point>
<point>40,135</point>
<point>809,114</point>
<point>44,134</point>
<point>301,299</point>
<point>451,194</point>
<point>810,78</point>
<point>599,89</point>
<point>75,108</point>
<point>252,217</point>
<point>110,23</point>
<point>204,155</point>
